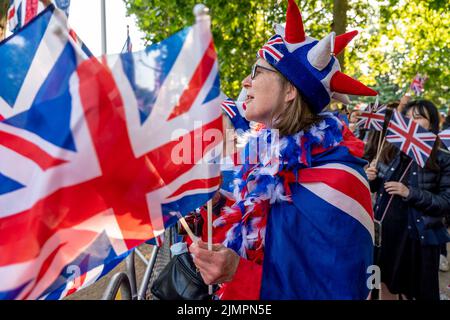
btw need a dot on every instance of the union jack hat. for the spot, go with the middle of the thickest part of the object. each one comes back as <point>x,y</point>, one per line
<point>310,64</point>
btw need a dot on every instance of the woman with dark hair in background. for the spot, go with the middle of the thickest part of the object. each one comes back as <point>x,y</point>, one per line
<point>410,204</point>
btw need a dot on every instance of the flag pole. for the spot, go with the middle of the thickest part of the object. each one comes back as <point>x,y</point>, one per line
<point>201,12</point>
<point>103,23</point>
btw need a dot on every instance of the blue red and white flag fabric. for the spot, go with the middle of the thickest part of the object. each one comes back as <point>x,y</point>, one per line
<point>372,119</point>
<point>235,112</point>
<point>418,83</point>
<point>410,138</point>
<point>445,137</point>
<point>331,212</point>
<point>20,12</point>
<point>85,174</point>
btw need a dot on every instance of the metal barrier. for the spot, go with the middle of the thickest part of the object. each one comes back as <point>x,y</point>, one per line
<point>126,282</point>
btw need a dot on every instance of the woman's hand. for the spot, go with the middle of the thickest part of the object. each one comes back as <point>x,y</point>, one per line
<point>397,188</point>
<point>371,173</point>
<point>216,266</point>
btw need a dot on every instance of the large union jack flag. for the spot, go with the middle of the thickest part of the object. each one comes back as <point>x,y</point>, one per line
<point>410,138</point>
<point>87,169</point>
<point>373,119</point>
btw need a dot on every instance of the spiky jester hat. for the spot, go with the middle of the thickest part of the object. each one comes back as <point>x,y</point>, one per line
<point>310,64</point>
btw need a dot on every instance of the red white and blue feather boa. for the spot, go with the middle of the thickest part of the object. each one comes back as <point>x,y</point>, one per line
<point>257,186</point>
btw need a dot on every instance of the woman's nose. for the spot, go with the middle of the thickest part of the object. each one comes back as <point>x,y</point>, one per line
<point>247,82</point>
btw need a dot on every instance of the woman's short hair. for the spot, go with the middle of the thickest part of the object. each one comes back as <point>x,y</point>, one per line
<point>295,116</point>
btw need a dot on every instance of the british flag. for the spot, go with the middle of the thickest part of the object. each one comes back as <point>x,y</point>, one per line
<point>373,119</point>
<point>87,168</point>
<point>20,12</point>
<point>445,137</point>
<point>418,83</point>
<point>234,110</point>
<point>269,51</point>
<point>410,138</point>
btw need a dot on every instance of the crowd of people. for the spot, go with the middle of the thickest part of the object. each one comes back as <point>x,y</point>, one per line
<point>412,206</point>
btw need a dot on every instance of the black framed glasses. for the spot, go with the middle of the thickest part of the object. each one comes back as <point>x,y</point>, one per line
<point>255,67</point>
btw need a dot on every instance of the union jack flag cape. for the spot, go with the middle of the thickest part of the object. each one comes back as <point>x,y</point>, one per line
<point>89,165</point>
<point>331,213</point>
<point>410,138</point>
<point>445,137</point>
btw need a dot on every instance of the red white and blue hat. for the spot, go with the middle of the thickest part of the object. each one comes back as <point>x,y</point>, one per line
<point>310,64</point>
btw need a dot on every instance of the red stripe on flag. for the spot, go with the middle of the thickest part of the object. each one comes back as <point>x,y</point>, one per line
<point>196,84</point>
<point>417,156</point>
<point>342,181</point>
<point>12,12</point>
<point>228,110</point>
<point>273,52</point>
<point>31,10</point>
<point>408,137</point>
<point>197,184</point>
<point>44,268</point>
<point>29,150</point>
<point>275,41</point>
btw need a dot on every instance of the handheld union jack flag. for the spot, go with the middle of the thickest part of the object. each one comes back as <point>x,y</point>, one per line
<point>234,113</point>
<point>372,120</point>
<point>417,85</point>
<point>88,155</point>
<point>445,137</point>
<point>410,138</point>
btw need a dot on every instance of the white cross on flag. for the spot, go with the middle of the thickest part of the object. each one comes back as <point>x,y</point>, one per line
<point>410,138</point>
<point>372,120</point>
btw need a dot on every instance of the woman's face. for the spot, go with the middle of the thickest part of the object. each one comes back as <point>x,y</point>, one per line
<point>264,93</point>
<point>418,118</point>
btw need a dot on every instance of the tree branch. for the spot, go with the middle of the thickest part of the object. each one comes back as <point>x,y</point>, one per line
<point>322,10</point>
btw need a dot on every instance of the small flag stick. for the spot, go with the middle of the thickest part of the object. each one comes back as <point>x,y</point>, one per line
<point>209,208</point>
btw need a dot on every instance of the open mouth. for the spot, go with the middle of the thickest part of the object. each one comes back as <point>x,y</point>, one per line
<point>249,99</point>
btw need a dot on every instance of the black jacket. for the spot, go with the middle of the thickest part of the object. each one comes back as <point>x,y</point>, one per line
<point>429,196</point>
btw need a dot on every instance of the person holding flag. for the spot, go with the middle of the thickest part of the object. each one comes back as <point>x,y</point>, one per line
<point>411,201</point>
<point>302,225</point>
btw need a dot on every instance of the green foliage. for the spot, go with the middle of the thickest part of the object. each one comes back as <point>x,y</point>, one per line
<point>398,38</point>
<point>406,38</point>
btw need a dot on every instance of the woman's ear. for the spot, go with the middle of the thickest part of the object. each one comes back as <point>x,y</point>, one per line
<point>291,93</point>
